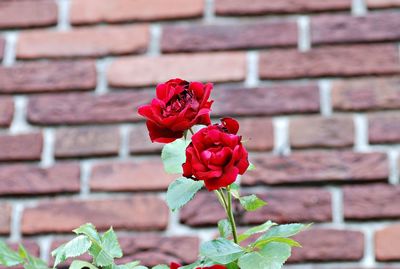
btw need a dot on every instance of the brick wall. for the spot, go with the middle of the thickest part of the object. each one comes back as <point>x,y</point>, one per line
<point>315,84</point>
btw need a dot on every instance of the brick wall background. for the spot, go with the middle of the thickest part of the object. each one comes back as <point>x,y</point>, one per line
<point>315,84</point>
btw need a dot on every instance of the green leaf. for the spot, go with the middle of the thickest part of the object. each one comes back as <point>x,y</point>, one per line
<point>286,230</point>
<point>30,261</point>
<point>221,250</point>
<point>8,257</point>
<point>110,244</point>
<point>273,256</point>
<point>81,264</point>
<point>251,167</point>
<point>74,248</point>
<point>234,190</point>
<point>161,266</point>
<point>181,191</point>
<point>287,241</point>
<point>225,228</point>
<point>89,230</point>
<point>173,156</point>
<point>251,202</point>
<point>130,265</point>
<point>255,230</point>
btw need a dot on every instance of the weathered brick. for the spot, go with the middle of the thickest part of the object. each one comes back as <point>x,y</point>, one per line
<point>141,175</point>
<point>210,67</point>
<point>260,7</point>
<point>96,11</point>
<point>23,147</point>
<point>2,46</point>
<point>383,3</point>
<point>48,77</point>
<point>328,245</point>
<point>5,219</point>
<point>6,111</point>
<point>285,99</point>
<point>384,128</point>
<point>284,205</point>
<point>83,42</point>
<point>187,38</point>
<point>87,142</point>
<point>366,94</point>
<point>387,243</point>
<point>257,133</point>
<point>315,131</point>
<point>330,61</point>
<point>347,29</point>
<point>139,140</point>
<point>32,180</point>
<point>86,108</point>
<point>27,13</point>
<point>378,201</point>
<point>153,249</point>
<point>318,166</point>
<point>120,213</point>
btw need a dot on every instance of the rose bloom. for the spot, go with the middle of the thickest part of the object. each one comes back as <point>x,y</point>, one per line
<point>177,265</point>
<point>178,106</point>
<point>216,155</point>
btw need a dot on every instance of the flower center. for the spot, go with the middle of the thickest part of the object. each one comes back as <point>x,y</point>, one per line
<point>179,102</point>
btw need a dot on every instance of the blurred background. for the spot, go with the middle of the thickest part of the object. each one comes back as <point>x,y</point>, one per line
<point>314,83</point>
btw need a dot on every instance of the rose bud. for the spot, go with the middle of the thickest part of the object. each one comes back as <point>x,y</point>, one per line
<point>216,155</point>
<point>176,266</point>
<point>178,106</point>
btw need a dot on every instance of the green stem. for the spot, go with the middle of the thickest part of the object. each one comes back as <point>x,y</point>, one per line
<point>191,131</point>
<point>231,217</point>
<point>227,204</point>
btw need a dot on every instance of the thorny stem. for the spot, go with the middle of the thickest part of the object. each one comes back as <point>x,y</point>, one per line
<point>227,204</point>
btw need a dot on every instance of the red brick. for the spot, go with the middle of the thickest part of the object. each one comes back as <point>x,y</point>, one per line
<point>383,3</point>
<point>139,140</point>
<point>187,38</point>
<point>284,205</point>
<point>152,249</point>
<point>5,219</point>
<point>328,245</point>
<point>347,29</point>
<point>144,175</point>
<point>96,11</point>
<point>139,212</point>
<point>378,201</point>
<point>48,77</point>
<point>366,94</point>
<point>23,147</point>
<point>318,166</point>
<point>387,243</point>
<point>6,111</point>
<point>32,180</point>
<point>331,61</point>
<point>260,7</point>
<point>87,142</point>
<point>257,133</point>
<point>284,99</point>
<point>27,13</point>
<point>315,131</point>
<point>211,67</point>
<point>384,128</point>
<point>83,42</point>
<point>2,46</point>
<point>86,108</point>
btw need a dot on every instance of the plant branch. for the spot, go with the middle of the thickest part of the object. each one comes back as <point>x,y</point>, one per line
<point>227,204</point>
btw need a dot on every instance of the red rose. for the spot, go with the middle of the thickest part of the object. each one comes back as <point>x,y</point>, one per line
<point>216,155</point>
<point>178,106</point>
<point>176,266</point>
